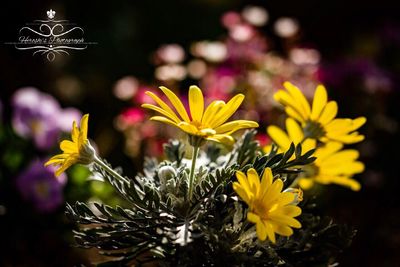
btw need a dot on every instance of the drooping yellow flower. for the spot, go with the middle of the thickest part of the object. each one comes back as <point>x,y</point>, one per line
<point>208,123</point>
<point>294,135</point>
<point>319,122</point>
<point>78,150</point>
<point>333,166</point>
<point>272,210</point>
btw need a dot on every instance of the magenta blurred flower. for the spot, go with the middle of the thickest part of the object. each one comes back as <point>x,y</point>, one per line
<point>39,116</point>
<point>230,19</point>
<point>38,185</point>
<point>220,82</point>
<point>132,115</point>
<point>247,51</point>
<point>141,97</point>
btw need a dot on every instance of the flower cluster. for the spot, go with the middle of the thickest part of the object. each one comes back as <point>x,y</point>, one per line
<point>270,209</point>
<point>179,204</point>
<point>317,127</point>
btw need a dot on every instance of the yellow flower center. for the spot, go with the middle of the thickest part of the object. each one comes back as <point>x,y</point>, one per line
<point>313,129</point>
<point>203,130</point>
<point>261,209</point>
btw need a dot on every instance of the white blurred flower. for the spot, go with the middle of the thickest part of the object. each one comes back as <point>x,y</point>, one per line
<point>126,87</point>
<point>255,15</point>
<point>197,68</point>
<point>171,53</point>
<point>172,72</point>
<point>241,32</point>
<point>211,51</point>
<point>303,56</point>
<point>286,27</point>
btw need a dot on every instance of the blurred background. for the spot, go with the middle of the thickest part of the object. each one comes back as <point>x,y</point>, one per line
<point>224,46</point>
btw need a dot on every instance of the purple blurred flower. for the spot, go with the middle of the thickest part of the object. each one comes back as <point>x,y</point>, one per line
<point>39,116</point>
<point>66,117</point>
<point>38,185</point>
<point>372,77</point>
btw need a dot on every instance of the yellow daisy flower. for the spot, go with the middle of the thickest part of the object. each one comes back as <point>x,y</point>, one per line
<point>270,209</point>
<point>207,123</point>
<point>319,122</point>
<point>294,134</point>
<point>78,150</point>
<point>333,166</point>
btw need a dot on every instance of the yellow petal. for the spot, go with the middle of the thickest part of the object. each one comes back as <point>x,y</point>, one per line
<point>163,105</point>
<point>227,111</point>
<point>290,103</point>
<point>254,180</point>
<point>329,113</point>
<point>222,138</point>
<point>196,103</point>
<point>242,179</point>
<point>233,126</point>
<point>83,129</point>
<point>180,108</point>
<point>273,191</point>
<point>252,217</point>
<point>345,139</point>
<point>243,194</point>
<point>68,163</point>
<point>171,116</point>
<point>56,160</point>
<point>308,144</point>
<point>294,130</point>
<point>282,229</point>
<point>358,122</point>
<point>291,211</point>
<point>299,97</point>
<point>286,197</point>
<point>164,120</point>
<point>75,133</point>
<point>261,230</point>
<point>270,231</point>
<point>211,111</point>
<point>294,114</point>
<point>319,102</point>
<point>267,178</point>
<point>69,147</point>
<point>189,128</point>
<point>286,220</point>
<point>279,137</point>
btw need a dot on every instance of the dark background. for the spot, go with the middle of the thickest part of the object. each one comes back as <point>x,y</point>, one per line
<point>128,31</point>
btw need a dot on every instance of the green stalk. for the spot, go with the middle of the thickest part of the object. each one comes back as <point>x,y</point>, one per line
<point>192,169</point>
<point>109,170</point>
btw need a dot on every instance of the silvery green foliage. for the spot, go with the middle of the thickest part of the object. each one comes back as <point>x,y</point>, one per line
<point>161,226</point>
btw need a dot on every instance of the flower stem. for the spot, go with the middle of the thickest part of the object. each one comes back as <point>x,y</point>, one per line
<point>110,171</point>
<point>192,169</point>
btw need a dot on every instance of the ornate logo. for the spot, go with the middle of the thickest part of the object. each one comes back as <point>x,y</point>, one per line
<point>51,37</point>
